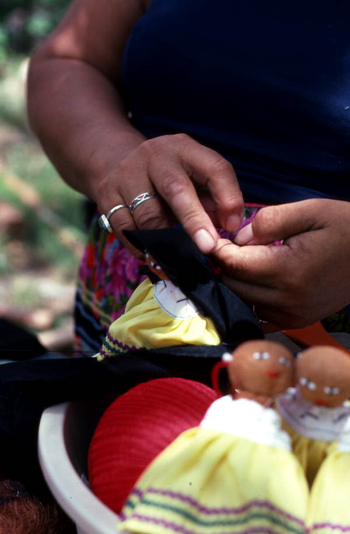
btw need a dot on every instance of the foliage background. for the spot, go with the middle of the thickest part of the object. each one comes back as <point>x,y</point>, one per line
<point>41,219</point>
<point>26,22</point>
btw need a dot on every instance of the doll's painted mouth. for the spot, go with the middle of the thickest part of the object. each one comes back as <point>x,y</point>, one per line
<point>321,402</point>
<point>273,374</point>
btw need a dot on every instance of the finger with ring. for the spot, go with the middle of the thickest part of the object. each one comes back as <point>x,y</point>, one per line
<point>141,198</point>
<point>103,221</point>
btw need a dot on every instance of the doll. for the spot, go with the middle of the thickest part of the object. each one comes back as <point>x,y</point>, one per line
<point>160,315</point>
<point>181,302</point>
<point>315,413</point>
<point>317,417</point>
<point>233,473</point>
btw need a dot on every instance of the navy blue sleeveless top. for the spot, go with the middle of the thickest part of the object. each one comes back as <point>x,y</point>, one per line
<point>266,83</point>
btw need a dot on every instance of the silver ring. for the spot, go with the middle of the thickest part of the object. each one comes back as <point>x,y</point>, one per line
<point>139,199</point>
<point>103,221</point>
<point>260,320</point>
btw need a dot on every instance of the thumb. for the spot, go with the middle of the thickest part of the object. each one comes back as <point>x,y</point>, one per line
<point>277,223</point>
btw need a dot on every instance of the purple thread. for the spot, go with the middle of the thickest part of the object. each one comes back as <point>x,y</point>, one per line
<point>119,343</point>
<point>332,526</point>
<point>182,530</point>
<point>104,353</point>
<point>137,491</point>
<point>216,511</point>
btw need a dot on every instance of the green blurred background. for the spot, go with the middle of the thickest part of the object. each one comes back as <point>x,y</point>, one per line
<point>41,219</point>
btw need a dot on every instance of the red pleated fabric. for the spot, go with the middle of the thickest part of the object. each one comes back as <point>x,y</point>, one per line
<point>136,428</point>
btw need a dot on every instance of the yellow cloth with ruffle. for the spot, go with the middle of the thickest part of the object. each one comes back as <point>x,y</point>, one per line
<point>329,508</point>
<point>311,453</point>
<point>326,462</point>
<point>210,481</point>
<point>213,482</point>
<point>146,324</point>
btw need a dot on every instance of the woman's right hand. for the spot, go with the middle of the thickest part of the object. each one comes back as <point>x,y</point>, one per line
<point>179,170</point>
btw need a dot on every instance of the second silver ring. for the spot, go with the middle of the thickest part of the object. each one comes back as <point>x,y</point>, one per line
<point>141,198</point>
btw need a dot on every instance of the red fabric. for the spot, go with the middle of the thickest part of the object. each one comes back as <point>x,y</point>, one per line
<point>136,428</point>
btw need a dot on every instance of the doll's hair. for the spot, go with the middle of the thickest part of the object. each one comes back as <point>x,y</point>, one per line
<point>22,513</point>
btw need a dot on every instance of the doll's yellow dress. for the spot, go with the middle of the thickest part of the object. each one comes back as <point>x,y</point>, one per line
<point>158,315</point>
<point>233,474</point>
<point>321,442</point>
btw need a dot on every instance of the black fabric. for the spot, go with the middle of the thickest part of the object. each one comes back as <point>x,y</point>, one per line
<point>16,343</point>
<point>187,268</point>
<point>175,252</point>
<point>28,387</point>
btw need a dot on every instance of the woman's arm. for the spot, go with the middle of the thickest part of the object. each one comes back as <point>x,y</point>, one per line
<point>73,102</point>
<point>76,111</point>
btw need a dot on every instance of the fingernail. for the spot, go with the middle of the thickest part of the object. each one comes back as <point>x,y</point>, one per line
<point>233,222</point>
<point>204,241</point>
<point>245,235</point>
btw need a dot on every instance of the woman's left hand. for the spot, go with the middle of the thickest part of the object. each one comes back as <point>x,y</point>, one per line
<point>305,279</point>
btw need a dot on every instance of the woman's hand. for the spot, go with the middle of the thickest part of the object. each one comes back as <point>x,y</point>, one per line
<point>305,279</point>
<point>174,167</point>
<point>77,111</point>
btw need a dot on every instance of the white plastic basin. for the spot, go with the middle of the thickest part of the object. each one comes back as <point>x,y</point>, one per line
<point>65,432</point>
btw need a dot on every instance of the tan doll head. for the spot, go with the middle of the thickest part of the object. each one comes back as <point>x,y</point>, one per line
<point>155,267</point>
<point>323,376</point>
<point>260,370</point>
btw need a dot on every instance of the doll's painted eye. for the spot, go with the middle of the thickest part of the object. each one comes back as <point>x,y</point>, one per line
<point>261,355</point>
<point>331,391</point>
<point>307,384</point>
<point>284,361</point>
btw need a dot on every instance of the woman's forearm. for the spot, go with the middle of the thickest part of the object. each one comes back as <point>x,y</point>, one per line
<point>82,124</point>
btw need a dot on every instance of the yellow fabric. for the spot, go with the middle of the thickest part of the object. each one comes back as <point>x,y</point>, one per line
<point>259,486</point>
<point>330,495</point>
<point>209,482</point>
<point>146,324</point>
<point>310,453</point>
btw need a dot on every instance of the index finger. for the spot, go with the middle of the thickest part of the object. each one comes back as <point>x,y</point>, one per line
<point>176,188</point>
<point>211,170</point>
<point>174,176</point>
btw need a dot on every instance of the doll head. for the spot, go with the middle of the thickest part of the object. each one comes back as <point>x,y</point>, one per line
<point>260,370</point>
<point>155,267</point>
<point>323,376</point>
